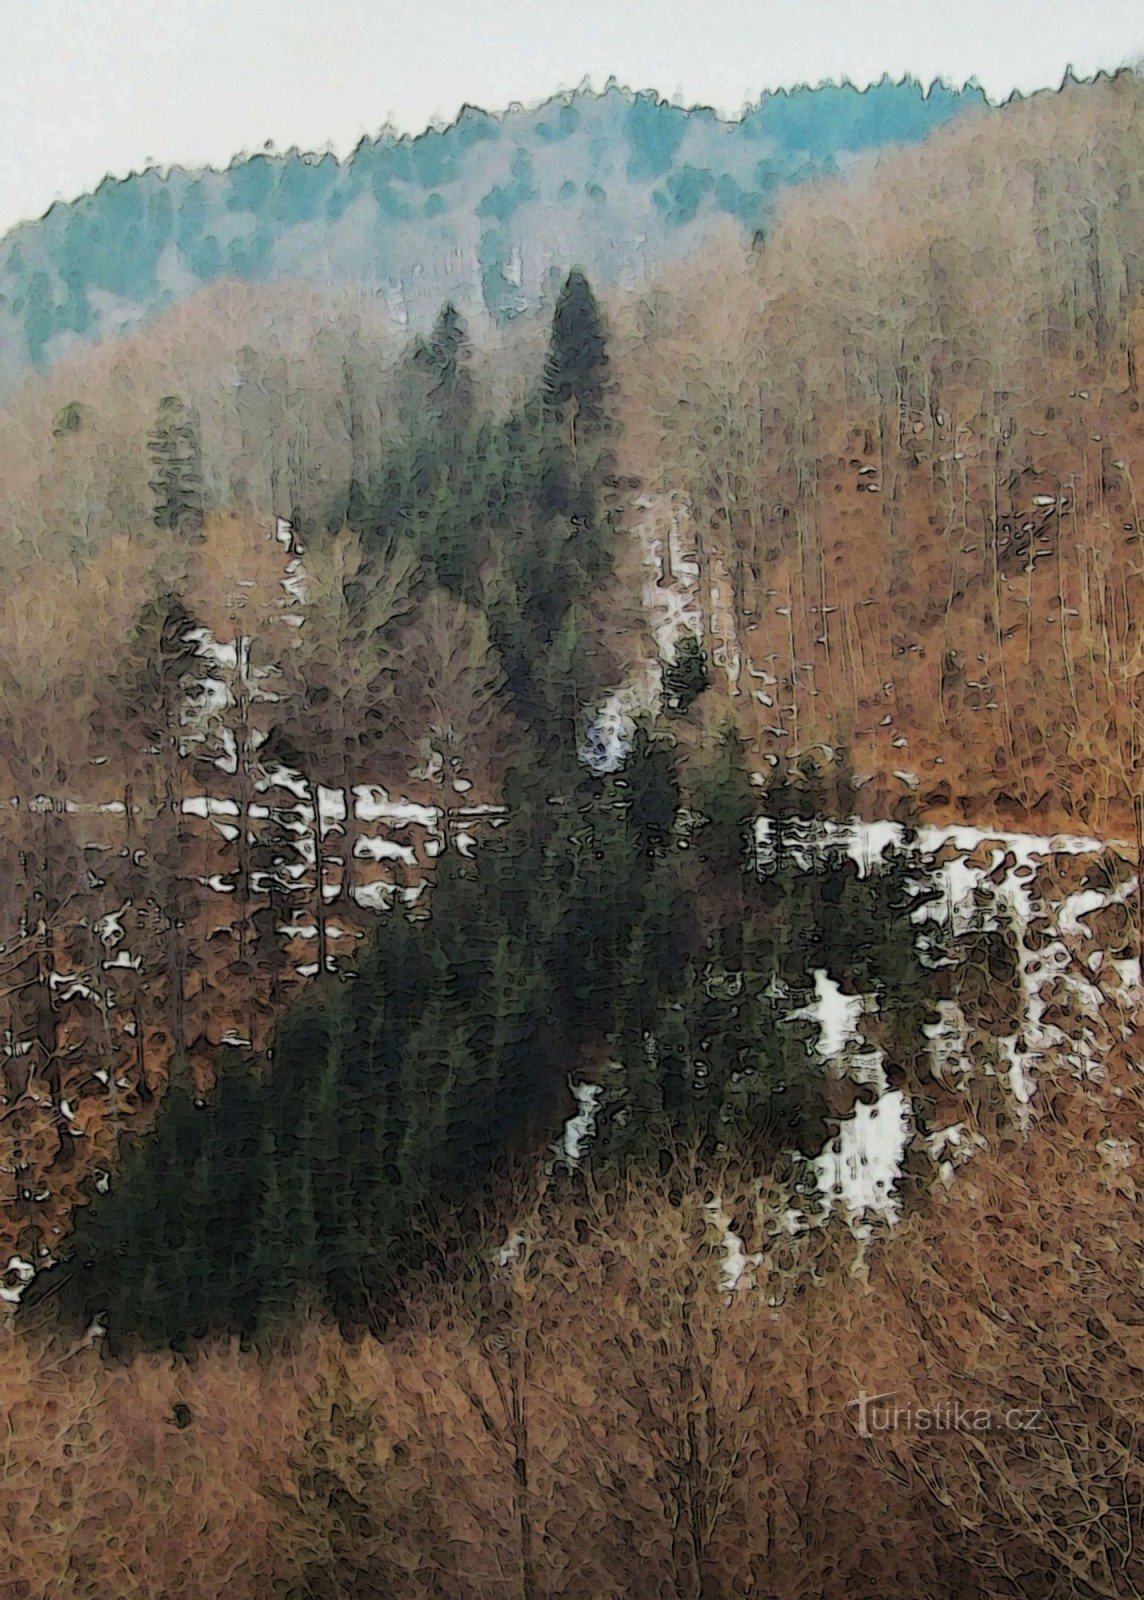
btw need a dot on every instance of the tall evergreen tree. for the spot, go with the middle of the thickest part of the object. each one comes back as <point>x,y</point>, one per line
<point>159,671</point>
<point>577,361</point>
<point>685,676</point>
<point>444,359</point>
<point>648,788</point>
<point>176,460</point>
<point>726,801</point>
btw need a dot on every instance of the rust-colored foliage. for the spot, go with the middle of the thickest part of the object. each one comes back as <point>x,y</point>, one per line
<point>871,487</point>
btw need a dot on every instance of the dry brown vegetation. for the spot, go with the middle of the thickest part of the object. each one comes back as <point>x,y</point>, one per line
<point>911,417</point>
<point>595,1417</point>
<point>908,429</point>
<point>291,388</point>
<point>99,774</point>
<point>905,437</point>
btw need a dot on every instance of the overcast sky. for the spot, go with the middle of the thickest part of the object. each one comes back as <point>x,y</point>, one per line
<point>89,87</point>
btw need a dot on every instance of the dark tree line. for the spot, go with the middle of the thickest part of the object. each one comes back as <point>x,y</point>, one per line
<point>607,928</point>
<point>615,925</point>
<point>505,513</point>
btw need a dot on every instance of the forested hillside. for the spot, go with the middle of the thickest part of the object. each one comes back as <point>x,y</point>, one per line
<point>907,435</point>
<point>900,439</point>
<point>573,907</point>
<point>487,212</point>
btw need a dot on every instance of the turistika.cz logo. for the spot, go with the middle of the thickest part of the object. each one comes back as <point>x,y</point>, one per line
<point>877,1413</point>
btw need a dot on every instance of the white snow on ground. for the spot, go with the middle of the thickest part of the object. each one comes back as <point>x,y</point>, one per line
<point>839,1039</point>
<point>23,1272</point>
<point>836,1014</point>
<point>124,959</point>
<point>1128,971</point>
<point>671,599</point>
<point>1071,917</point>
<point>580,1127</point>
<point>228,760</point>
<point>865,843</point>
<point>375,896</point>
<point>294,582</point>
<point>1021,1080</point>
<point>736,1262</point>
<point>367,849</point>
<point>205,805</point>
<point>1024,853</point>
<point>261,882</point>
<point>331,807</point>
<point>222,655</point>
<point>109,928</point>
<point>672,605</point>
<point>610,734</point>
<point>372,804</point>
<point>986,879</point>
<point>950,1147</point>
<point>284,778</point>
<point>70,986</point>
<point>861,1165</point>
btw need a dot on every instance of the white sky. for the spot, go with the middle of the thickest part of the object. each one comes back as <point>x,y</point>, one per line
<point>89,87</point>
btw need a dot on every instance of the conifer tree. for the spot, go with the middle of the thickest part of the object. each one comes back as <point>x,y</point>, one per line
<point>647,785</point>
<point>158,674</point>
<point>685,676</point>
<point>443,358</point>
<point>577,361</point>
<point>726,801</point>
<point>176,460</point>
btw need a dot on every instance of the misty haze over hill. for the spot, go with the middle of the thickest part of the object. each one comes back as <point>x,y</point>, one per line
<point>489,210</point>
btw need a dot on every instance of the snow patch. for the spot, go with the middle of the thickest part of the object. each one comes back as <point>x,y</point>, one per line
<point>579,1128</point>
<point>835,1013</point>
<point>368,849</point>
<point>860,1167</point>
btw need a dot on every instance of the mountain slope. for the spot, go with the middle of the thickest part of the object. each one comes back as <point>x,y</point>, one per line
<point>487,209</point>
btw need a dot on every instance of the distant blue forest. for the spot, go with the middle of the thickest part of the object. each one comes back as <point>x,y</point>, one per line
<point>490,209</point>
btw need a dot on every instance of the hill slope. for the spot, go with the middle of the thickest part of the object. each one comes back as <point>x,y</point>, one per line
<point>486,209</point>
